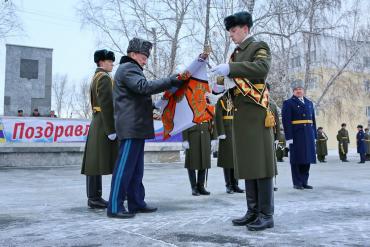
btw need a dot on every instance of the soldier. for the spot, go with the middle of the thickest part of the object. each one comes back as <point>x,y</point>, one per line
<point>223,119</point>
<point>101,146</point>
<point>361,149</point>
<point>198,145</point>
<point>300,132</point>
<point>133,114</point>
<point>253,143</point>
<point>343,141</point>
<point>367,143</point>
<point>321,145</point>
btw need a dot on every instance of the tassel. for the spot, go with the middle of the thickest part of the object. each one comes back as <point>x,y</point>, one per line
<point>270,119</point>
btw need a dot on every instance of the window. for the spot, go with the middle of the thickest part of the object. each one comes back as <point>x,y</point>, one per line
<point>367,62</point>
<point>367,85</point>
<point>29,69</point>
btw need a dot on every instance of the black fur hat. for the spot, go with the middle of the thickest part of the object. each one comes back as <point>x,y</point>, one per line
<point>101,55</point>
<point>140,46</point>
<point>360,126</point>
<point>238,19</point>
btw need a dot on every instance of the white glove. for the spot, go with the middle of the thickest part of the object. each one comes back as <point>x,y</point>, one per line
<point>112,137</point>
<point>213,98</point>
<point>221,69</point>
<point>214,145</point>
<point>276,142</point>
<point>218,88</point>
<point>185,145</point>
<point>288,142</point>
<point>222,137</point>
<point>229,83</point>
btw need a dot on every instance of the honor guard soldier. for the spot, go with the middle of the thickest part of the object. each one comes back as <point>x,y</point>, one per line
<point>367,143</point>
<point>281,147</point>
<point>101,146</point>
<point>361,147</point>
<point>321,145</point>
<point>223,122</point>
<point>299,123</point>
<point>198,143</point>
<point>253,122</point>
<point>133,114</point>
<point>343,141</point>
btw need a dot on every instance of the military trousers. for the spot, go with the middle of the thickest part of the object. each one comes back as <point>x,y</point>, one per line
<point>342,156</point>
<point>94,187</point>
<point>127,178</point>
<point>362,157</point>
<point>300,174</point>
<point>321,157</point>
<point>260,196</point>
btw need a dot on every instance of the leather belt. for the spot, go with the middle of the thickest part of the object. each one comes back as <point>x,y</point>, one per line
<point>96,109</point>
<point>302,122</point>
<point>228,117</point>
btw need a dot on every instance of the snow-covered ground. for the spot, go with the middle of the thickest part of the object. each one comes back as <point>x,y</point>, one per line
<point>47,207</point>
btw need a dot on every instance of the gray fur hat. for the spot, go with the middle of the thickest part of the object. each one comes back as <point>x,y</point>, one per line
<point>139,46</point>
<point>297,84</point>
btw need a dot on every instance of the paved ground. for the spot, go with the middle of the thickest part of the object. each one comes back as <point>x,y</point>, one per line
<point>47,207</point>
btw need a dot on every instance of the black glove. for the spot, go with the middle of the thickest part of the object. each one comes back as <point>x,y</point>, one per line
<point>176,82</point>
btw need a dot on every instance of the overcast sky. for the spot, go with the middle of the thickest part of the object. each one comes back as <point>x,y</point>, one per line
<point>54,24</point>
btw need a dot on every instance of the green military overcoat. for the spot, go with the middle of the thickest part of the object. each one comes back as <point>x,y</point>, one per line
<point>367,143</point>
<point>198,156</point>
<point>343,140</point>
<point>100,152</point>
<point>223,124</point>
<point>321,144</point>
<point>253,142</point>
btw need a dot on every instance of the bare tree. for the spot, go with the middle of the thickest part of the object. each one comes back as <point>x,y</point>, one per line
<point>9,20</point>
<point>82,105</point>
<point>60,91</point>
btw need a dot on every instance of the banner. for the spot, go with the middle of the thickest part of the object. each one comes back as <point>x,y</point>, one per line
<point>54,130</point>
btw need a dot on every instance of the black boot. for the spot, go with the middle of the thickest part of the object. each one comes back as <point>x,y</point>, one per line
<point>266,206</point>
<point>234,183</point>
<point>193,182</point>
<point>201,180</point>
<point>94,192</point>
<point>229,188</point>
<point>252,213</point>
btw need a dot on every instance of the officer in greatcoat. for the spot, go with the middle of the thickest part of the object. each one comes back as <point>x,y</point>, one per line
<point>298,117</point>
<point>321,145</point>
<point>367,144</point>
<point>253,141</point>
<point>343,141</point>
<point>360,141</point>
<point>101,146</point>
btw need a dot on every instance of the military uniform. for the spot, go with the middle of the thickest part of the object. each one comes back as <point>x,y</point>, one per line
<point>100,152</point>
<point>321,146</point>
<point>299,122</point>
<point>198,155</point>
<point>280,149</point>
<point>361,146</point>
<point>253,142</point>
<point>367,144</point>
<point>343,141</point>
<point>223,123</point>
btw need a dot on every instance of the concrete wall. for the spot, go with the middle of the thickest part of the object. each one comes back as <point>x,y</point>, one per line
<point>26,88</point>
<point>70,154</point>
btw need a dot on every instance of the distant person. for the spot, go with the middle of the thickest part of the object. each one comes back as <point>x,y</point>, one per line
<point>35,113</point>
<point>360,138</point>
<point>52,114</point>
<point>343,141</point>
<point>367,143</point>
<point>321,145</point>
<point>20,113</point>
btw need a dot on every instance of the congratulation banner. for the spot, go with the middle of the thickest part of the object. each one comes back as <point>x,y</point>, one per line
<point>51,130</point>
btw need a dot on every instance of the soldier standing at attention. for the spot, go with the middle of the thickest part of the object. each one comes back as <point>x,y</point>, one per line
<point>361,149</point>
<point>252,126</point>
<point>101,146</point>
<point>300,133</point>
<point>321,145</point>
<point>367,143</point>
<point>343,141</point>
<point>223,122</point>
